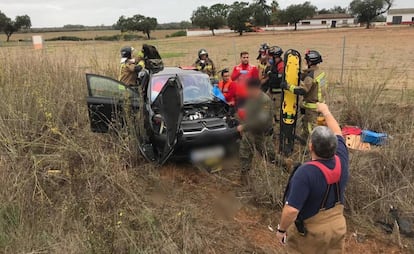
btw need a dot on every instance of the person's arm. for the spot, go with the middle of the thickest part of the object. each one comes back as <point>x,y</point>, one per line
<point>231,94</point>
<point>281,68</point>
<point>329,119</point>
<point>297,195</point>
<point>235,74</point>
<point>255,72</point>
<point>130,67</point>
<point>289,215</point>
<point>213,69</point>
<point>303,88</point>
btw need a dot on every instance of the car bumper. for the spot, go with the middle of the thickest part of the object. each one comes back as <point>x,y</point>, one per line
<point>208,138</point>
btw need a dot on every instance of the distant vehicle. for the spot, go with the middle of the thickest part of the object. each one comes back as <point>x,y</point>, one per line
<point>177,115</point>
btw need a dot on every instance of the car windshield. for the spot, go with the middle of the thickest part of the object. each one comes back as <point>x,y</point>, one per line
<point>196,87</point>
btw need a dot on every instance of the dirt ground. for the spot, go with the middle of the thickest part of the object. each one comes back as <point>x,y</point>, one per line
<point>219,202</point>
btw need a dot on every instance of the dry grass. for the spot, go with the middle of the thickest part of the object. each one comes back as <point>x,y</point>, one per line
<point>107,199</point>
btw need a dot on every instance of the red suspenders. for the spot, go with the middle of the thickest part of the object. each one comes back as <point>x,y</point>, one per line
<point>333,177</point>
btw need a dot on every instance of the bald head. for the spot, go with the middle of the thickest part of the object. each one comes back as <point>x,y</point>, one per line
<point>324,142</point>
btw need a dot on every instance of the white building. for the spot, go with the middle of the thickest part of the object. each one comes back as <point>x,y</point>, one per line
<point>329,20</point>
<point>401,16</point>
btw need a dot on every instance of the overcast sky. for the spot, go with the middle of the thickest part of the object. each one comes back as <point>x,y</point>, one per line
<point>54,13</point>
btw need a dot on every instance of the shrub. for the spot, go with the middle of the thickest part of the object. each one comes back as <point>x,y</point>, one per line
<point>180,33</point>
<point>115,37</point>
<point>132,37</point>
<point>68,38</point>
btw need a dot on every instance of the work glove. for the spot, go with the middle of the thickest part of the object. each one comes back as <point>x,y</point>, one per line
<point>284,85</point>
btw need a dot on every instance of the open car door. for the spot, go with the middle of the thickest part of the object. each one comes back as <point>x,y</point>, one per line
<point>169,102</point>
<point>106,102</point>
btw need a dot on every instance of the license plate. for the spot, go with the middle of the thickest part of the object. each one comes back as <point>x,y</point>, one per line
<point>200,155</point>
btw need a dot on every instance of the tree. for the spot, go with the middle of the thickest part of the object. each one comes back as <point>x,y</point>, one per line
<point>3,21</point>
<point>262,12</point>
<point>367,10</point>
<point>239,16</point>
<point>9,26</point>
<point>338,9</point>
<point>137,23</point>
<point>334,10</point>
<point>275,6</point>
<point>296,12</point>
<point>185,25</point>
<point>211,18</point>
<point>275,11</point>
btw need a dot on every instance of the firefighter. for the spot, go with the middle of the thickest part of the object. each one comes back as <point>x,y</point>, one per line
<point>312,89</point>
<point>205,64</point>
<point>130,67</point>
<point>263,64</point>
<point>227,87</point>
<point>274,73</point>
<point>312,219</point>
<point>256,129</point>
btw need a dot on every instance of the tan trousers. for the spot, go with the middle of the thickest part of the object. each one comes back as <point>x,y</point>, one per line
<point>326,234</point>
<point>309,122</point>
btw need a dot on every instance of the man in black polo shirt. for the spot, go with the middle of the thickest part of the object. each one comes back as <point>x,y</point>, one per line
<point>313,213</point>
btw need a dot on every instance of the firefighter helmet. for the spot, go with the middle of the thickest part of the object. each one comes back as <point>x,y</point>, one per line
<point>263,48</point>
<point>202,52</point>
<point>275,51</point>
<point>313,57</point>
<point>126,52</point>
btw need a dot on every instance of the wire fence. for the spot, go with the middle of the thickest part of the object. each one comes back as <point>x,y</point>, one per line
<point>344,53</point>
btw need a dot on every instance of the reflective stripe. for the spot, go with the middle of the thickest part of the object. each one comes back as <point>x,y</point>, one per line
<point>310,105</point>
<point>292,89</point>
<point>322,83</point>
<point>276,90</point>
<point>121,88</point>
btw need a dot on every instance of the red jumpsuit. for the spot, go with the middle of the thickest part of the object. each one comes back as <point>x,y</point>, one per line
<point>241,73</point>
<point>228,89</point>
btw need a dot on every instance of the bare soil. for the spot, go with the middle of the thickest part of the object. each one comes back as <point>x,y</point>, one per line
<point>218,201</point>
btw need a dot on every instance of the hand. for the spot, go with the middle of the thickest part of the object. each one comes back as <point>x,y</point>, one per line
<point>284,85</point>
<point>323,108</point>
<point>281,238</point>
<point>240,128</point>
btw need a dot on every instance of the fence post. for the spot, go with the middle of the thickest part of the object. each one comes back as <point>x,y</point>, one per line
<point>343,60</point>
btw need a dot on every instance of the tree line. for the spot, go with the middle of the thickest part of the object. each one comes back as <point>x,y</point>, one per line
<point>239,16</point>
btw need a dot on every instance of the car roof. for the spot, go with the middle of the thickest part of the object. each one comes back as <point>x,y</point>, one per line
<point>177,71</point>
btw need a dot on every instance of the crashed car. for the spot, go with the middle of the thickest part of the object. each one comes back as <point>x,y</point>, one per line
<point>173,114</point>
